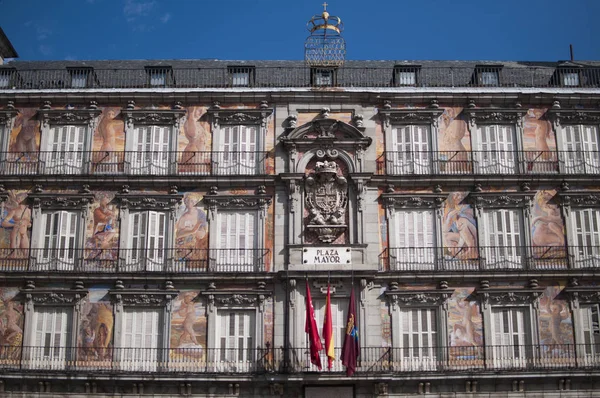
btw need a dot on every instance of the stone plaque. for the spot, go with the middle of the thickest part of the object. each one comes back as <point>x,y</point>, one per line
<point>327,255</point>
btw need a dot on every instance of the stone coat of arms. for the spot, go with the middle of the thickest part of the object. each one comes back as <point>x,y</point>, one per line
<point>326,200</point>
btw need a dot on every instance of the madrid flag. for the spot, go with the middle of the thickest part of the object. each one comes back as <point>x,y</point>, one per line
<point>313,333</point>
<point>351,348</point>
<point>328,331</point>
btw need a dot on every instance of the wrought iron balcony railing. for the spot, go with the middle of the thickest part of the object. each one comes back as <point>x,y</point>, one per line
<point>133,163</point>
<point>489,162</point>
<point>485,258</point>
<point>372,360</point>
<point>353,74</point>
<point>160,260</point>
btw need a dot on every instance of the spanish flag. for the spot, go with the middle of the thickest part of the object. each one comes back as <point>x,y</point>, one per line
<point>328,331</point>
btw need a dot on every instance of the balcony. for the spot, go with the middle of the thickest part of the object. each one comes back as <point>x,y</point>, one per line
<point>487,258</point>
<point>173,261</point>
<point>372,360</point>
<point>429,163</point>
<point>133,163</point>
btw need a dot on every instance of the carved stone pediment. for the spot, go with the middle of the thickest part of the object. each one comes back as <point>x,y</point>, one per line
<point>168,117</point>
<point>148,202</point>
<point>420,297</point>
<point>410,116</point>
<point>325,132</point>
<point>583,294</point>
<point>326,201</point>
<point>579,198</point>
<point>68,116</point>
<point>237,201</point>
<point>486,200</point>
<point>494,116</point>
<point>54,297</point>
<point>412,201</point>
<point>507,296</point>
<point>219,117</point>
<point>61,201</point>
<point>142,297</point>
<point>573,116</point>
<point>6,116</point>
<point>236,298</point>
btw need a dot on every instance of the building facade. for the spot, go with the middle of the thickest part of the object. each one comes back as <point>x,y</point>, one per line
<point>161,221</point>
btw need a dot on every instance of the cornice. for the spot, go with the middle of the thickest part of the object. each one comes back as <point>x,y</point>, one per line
<point>579,198</point>
<point>169,117</point>
<point>324,131</point>
<point>419,201</point>
<point>54,296</point>
<point>68,116</point>
<point>246,116</point>
<point>142,297</point>
<point>6,116</point>
<point>60,201</point>
<point>410,116</point>
<point>507,296</point>
<point>236,298</point>
<point>237,201</point>
<point>420,297</point>
<point>583,294</point>
<point>140,201</point>
<point>486,200</point>
<point>494,115</point>
<point>574,116</point>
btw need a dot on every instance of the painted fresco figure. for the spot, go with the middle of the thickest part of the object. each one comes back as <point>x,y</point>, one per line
<point>18,219</point>
<point>25,139</point>
<point>451,146</point>
<point>11,328</point>
<point>190,231</point>
<point>547,225</point>
<point>188,312</point>
<point>195,135</point>
<point>460,233</point>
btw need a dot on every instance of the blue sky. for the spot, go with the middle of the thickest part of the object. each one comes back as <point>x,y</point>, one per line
<point>533,30</point>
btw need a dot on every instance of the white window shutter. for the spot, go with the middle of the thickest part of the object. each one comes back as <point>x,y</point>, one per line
<point>415,235</point>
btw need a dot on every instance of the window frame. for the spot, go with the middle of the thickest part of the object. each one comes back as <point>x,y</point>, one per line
<point>570,202</point>
<point>167,76</point>
<point>248,70</point>
<point>415,70</point>
<point>582,297</point>
<point>90,79</point>
<point>482,70</point>
<point>13,79</point>
<point>317,78</point>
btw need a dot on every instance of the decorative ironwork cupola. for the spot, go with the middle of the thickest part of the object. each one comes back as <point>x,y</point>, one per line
<point>325,47</point>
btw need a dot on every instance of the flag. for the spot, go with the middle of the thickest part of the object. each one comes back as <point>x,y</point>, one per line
<point>313,333</point>
<point>351,348</point>
<point>328,331</point>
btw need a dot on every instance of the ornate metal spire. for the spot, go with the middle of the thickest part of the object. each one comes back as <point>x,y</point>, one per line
<point>325,46</point>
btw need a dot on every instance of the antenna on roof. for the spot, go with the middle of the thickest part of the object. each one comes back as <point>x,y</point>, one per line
<point>571,50</point>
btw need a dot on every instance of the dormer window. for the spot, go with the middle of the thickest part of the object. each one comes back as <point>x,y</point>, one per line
<point>406,75</point>
<point>160,76</point>
<point>241,76</point>
<point>81,77</point>
<point>323,77</point>
<point>6,77</point>
<point>570,78</point>
<point>487,76</point>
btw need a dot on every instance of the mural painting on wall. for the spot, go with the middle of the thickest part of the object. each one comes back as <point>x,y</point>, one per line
<point>15,226</point>
<point>188,328</point>
<point>25,135</point>
<point>539,142</point>
<point>109,142</point>
<point>459,229</point>
<point>555,322</point>
<point>11,324</point>
<point>465,326</point>
<point>547,228</point>
<point>96,327</point>
<point>454,142</point>
<point>195,142</point>
<point>191,233</point>
<point>102,231</point>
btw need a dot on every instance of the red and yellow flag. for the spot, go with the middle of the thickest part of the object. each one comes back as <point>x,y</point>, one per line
<point>310,328</point>
<point>328,331</point>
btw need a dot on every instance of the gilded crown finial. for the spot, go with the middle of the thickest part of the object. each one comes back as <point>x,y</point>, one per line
<point>325,46</point>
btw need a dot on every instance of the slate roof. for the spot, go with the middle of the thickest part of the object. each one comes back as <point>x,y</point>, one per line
<point>6,48</point>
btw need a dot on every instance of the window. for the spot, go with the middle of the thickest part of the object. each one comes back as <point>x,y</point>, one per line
<point>570,79</point>
<point>151,151</point>
<point>81,77</point>
<point>236,345</point>
<point>146,249</point>
<point>511,344</point>
<point>59,243</point>
<point>503,238</point>
<point>496,149</point>
<point>140,339</point>
<point>414,245</point>
<point>160,76</point>
<point>487,76</point>
<point>406,75</point>
<point>579,145</point>
<point>65,152</point>
<point>585,224</point>
<point>51,337</point>
<point>323,76</point>
<point>418,338</point>
<point>6,77</point>
<point>410,152</point>
<point>238,241</point>
<point>238,153</point>
<point>590,327</point>
<point>241,76</point>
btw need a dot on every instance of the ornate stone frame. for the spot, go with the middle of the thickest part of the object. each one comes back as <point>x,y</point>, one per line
<point>578,295</point>
<point>391,117</point>
<point>172,118</point>
<point>579,200</point>
<point>242,117</point>
<point>48,297</point>
<point>87,118</point>
<point>398,297</point>
<point>7,119</point>
<point>143,298</point>
<point>250,299</point>
<point>478,117</point>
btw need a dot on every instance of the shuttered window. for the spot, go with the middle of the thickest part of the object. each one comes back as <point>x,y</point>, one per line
<point>235,335</point>
<point>414,238</point>
<point>496,153</point>
<point>591,329</point>
<point>580,149</point>
<point>141,338</point>
<point>59,231</point>
<point>52,336</point>
<point>65,150</point>
<point>503,238</point>
<point>510,336</point>
<point>585,224</point>
<point>418,337</point>
<point>237,245</point>
<point>147,240</point>
<point>238,151</point>
<point>410,153</point>
<point>151,150</point>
